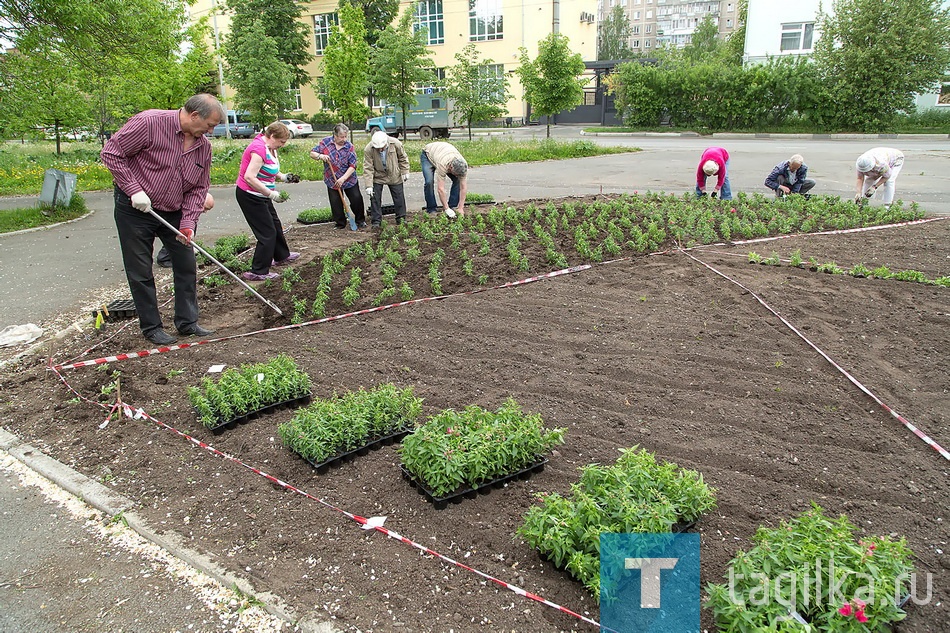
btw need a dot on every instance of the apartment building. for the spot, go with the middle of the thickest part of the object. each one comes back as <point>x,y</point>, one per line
<point>656,23</point>
<point>499,28</point>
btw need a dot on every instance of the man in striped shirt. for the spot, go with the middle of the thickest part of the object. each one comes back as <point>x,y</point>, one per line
<point>160,160</point>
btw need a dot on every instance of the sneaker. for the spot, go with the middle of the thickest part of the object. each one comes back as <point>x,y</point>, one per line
<point>450,214</point>
<point>255,277</point>
<point>290,258</point>
<point>361,225</point>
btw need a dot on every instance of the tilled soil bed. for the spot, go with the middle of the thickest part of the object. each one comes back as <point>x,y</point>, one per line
<point>656,351</point>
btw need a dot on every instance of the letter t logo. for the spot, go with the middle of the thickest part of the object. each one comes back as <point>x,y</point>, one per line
<point>649,578</point>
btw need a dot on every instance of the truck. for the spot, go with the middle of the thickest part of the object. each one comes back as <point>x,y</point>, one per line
<point>430,116</point>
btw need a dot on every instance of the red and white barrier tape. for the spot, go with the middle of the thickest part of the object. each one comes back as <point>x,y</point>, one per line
<point>907,423</point>
<point>171,348</point>
<point>373,523</point>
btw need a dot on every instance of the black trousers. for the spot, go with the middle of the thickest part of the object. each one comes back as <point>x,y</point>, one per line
<point>376,204</point>
<point>355,196</point>
<point>137,233</point>
<point>262,217</point>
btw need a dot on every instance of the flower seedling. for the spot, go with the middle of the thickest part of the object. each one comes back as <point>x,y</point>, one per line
<point>842,583</point>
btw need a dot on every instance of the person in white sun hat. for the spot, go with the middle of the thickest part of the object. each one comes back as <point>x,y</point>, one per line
<point>875,168</point>
<point>385,162</point>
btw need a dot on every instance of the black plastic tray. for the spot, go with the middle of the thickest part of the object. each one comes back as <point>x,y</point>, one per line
<point>118,310</point>
<point>341,458</point>
<point>441,503</point>
<point>253,415</point>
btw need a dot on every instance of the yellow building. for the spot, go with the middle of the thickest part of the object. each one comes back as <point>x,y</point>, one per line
<point>498,27</point>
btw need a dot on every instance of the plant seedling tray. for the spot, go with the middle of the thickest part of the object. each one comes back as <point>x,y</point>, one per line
<point>253,415</point>
<point>441,503</point>
<point>117,310</point>
<point>341,458</point>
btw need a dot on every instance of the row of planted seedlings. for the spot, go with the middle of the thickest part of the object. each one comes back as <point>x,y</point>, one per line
<point>244,393</point>
<point>415,258</point>
<point>796,260</point>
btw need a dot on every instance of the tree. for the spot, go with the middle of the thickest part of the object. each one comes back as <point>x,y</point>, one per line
<point>401,61</point>
<point>346,65</point>
<point>552,81</point>
<point>613,35</point>
<point>180,75</point>
<point>705,44</point>
<point>281,24</point>
<point>874,56</point>
<point>377,15</point>
<point>259,77</point>
<point>477,92</point>
<point>734,47</point>
<point>40,88</point>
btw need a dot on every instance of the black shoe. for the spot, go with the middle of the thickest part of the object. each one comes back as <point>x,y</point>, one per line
<point>160,337</point>
<point>361,225</point>
<point>196,330</point>
<point>339,226</point>
<point>164,259</point>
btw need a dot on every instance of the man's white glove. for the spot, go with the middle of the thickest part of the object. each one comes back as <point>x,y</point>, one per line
<point>870,192</point>
<point>141,202</point>
<point>405,177</point>
<point>369,192</point>
<point>275,196</point>
<point>282,177</point>
<point>450,213</point>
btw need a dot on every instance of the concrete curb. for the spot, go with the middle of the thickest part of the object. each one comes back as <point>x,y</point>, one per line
<point>112,503</point>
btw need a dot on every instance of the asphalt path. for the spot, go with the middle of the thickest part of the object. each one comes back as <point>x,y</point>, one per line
<point>49,272</point>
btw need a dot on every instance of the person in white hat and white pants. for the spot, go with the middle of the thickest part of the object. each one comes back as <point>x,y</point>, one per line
<point>877,167</point>
<point>385,162</point>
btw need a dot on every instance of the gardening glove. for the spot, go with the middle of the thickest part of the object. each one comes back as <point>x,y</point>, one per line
<point>405,177</point>
<point>275,196</point>
<point>141,202</point>
<point>450,213</point>
<point>870,192</point>
<point>858,199</point>
<point>714,194</point>
<point>292,178</point>
<point>189,234</point>
<point>369,192</point>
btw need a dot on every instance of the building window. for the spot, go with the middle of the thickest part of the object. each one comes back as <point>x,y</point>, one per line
<point>635,30</point>
<point>322,23</point>
<point>647,43</point>
<point>728,23</point>
<point>636,43</point>
<point>649,14</point>
<point>484,20</point>
<point>649,28</point>
<point>636,15</point>
<point>427,89</point>
<point>730,8</point>
<point>490,74</point>
<point>295,95</point>
<point>797,36</point>
<point>429,18</point>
